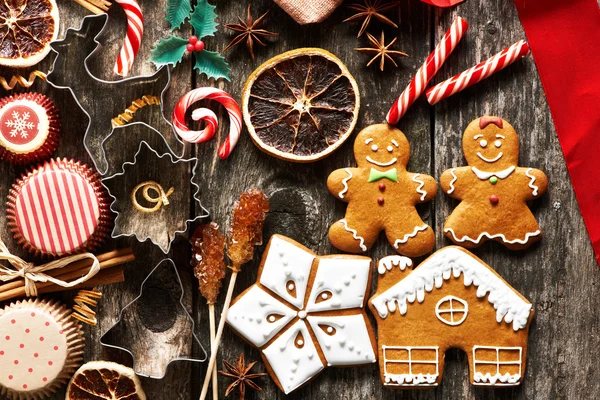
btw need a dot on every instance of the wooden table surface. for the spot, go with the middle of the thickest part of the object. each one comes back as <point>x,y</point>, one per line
<point>558,275</point>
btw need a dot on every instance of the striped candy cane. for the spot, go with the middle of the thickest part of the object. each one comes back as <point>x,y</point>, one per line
<point>206,115</point>
<point>135,30</point>
<point>432,65</point>
<point>477,73</point>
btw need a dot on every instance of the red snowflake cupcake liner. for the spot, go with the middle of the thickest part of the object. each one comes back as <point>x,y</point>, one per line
<point>41,346</point>
<point>59,208</point>
<point>29,128</point>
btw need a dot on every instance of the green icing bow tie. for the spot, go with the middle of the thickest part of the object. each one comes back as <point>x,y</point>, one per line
<point>390,174</point>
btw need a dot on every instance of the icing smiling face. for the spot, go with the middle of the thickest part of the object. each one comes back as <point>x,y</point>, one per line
<point>491,144</point>
<point>381,147</point>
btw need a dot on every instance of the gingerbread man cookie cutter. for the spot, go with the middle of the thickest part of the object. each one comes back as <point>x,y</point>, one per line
<point>170,338</point>
<point>102,100</point>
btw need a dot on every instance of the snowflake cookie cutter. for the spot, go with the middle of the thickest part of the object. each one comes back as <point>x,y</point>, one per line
<point>101,107</point>
<point>306,312</point>
<point>162,225</point>
<point>162,292</point>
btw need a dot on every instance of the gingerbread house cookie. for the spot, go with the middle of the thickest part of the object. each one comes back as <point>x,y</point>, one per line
<point>381,196</point>
<point>451,300</point>
<point>305,313</point>
<point>493,189</point>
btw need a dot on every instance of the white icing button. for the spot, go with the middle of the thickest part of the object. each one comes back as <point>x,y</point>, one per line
<point>497,143</point>
<point>329,329</point>
<point>390,149</point>
<point>272,318</point>
<point>374,147</point>
<point>483,143</point>
<point>302,314</point>
<point>324,296</point>
<point>291,286</point>
<point>300,343</point>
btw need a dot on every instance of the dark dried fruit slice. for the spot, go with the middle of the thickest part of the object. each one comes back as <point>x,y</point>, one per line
<point>300,105</point>
<point>102,380</point>
<point>26,29</point>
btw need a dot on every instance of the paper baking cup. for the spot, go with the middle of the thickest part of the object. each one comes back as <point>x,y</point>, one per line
<point>59,208</point>
<point>29,128</point>
<point>40,348</point>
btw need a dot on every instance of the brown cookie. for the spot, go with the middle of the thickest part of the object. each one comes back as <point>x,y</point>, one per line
<point>493,189</point>
<point>305,312</point>
<point>451,300</point>
<point>381,195</point>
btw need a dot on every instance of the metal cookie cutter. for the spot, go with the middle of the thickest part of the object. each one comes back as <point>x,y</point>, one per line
<point>159,316</point>
<point>102,101</point>
<point>147,204</point>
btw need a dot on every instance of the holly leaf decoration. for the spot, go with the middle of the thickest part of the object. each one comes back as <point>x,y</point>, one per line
<point>211,64</point>
<point>203,19</point>
<point>177,12</point>
<point>169,51</point>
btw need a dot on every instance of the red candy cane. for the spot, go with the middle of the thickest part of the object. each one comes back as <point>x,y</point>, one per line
<point>477,73</point>
<point>135,30</point>
<point>206,115</point>
<point>432,65</point>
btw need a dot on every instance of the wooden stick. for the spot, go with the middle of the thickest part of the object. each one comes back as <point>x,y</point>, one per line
<point>90,6</point>
<point>20,291</point>
<point>215,345</point>
<point>106,277</point>
<point>76,266</point>
<point>211,317</point>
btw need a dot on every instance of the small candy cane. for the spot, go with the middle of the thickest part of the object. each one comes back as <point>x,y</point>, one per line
<point>430,67</point>
<point>206,115</point>
<point>135,30</point>
<point>477,73</point>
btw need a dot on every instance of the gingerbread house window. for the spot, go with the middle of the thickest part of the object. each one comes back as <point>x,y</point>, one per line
<point>500,366</point>
<point>451,310</point>
<point>410,365</point>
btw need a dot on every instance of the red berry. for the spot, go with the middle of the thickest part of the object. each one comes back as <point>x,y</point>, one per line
<point>494,199</point>
<point>193,39</point>
<point>199,46</point>
<point>189,47</point>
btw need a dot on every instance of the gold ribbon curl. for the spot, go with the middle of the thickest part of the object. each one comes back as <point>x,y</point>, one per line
<point>82,310</point>
<point>128,115</point>
<point>161,199</point>
<point>19,79</point>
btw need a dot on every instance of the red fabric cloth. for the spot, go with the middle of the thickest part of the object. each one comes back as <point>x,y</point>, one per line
<point>564,36</point>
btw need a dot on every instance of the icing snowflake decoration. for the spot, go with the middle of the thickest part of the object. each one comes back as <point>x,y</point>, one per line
<point>306,312</point>
<point>20,124</point>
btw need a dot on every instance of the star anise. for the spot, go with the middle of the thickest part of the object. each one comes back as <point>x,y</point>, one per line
<point>380,50</point>
<point>240,373</point>
<point>372,9</point>
<point>250,31</point>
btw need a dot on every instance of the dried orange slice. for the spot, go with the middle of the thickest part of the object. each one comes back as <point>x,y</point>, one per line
<point>300,105</point>
<point>103,380</point>
<point>26,29</point>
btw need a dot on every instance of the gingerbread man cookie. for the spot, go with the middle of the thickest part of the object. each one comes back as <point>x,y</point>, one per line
<point>381,195</point>
<point>493,189</point>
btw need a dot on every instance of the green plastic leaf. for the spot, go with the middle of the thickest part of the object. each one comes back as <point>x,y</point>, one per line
<point>211,64</point>
<point>177,12</point>
<point>203,19</point>
<point>168,51</point>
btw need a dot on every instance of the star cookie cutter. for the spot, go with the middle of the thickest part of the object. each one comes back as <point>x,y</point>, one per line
<point>168,337</point>
<point>103,100</point>
<point>162,225</point>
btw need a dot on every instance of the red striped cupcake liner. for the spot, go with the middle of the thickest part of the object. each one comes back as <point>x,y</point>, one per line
<point>59,208</point>
<point>29,128</point>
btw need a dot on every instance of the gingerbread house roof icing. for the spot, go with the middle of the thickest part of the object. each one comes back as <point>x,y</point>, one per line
<point>440,267</point>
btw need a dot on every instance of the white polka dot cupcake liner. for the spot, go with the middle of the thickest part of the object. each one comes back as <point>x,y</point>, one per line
<point>41,346</point>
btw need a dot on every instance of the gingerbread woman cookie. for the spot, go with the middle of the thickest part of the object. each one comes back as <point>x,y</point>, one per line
<point>381,195</point>
<point>493,189</point>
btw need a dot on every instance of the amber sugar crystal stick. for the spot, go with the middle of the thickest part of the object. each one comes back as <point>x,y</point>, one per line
<point>249,215</point>
<point>208,260</point>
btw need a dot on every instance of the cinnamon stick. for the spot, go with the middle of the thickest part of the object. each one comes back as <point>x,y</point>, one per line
<point>68,274</point>
<point>106,277</point>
